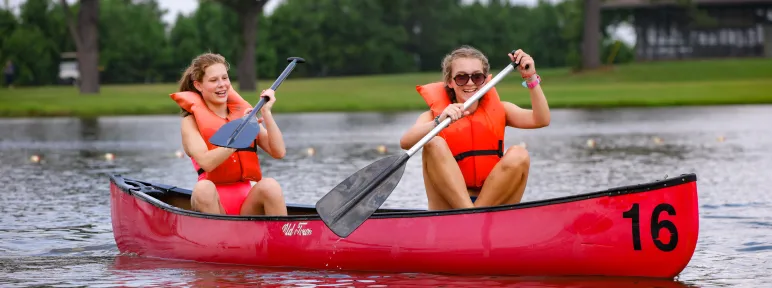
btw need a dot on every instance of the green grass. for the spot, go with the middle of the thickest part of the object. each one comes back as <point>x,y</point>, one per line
<point>713,82</point>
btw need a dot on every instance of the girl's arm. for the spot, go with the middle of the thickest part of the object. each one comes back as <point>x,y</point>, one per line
<point>270,138</point>
<point>195,146</point>
<point>422,126</point>
<point>539,115</point>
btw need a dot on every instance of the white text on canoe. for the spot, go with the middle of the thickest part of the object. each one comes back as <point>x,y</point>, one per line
<point>291,229</point>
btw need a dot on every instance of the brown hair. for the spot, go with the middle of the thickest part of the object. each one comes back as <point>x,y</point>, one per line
<point>464,51</point>
<point>195,72</point>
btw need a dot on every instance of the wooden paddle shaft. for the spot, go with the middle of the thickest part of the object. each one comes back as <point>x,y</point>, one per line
<point>468,103</point>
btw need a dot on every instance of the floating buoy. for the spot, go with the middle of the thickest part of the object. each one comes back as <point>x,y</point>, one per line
<point>591,143</point>
<point>109,156</point>
<point>381,149</point>
<point>310,151</point>
<point>34,158</point>
<point>178,154</point>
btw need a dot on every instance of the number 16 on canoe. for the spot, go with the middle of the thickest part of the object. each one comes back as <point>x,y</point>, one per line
<point>350,203</point>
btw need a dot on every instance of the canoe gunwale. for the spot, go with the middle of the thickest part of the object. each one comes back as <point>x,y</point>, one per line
<point>121,183</point>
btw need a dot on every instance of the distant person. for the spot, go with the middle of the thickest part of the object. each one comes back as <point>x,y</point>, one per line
<point>208,102</point>
<point>465,165</point>
<point>9,71</point>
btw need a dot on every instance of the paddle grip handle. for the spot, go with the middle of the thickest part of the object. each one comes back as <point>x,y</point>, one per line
<point>284,74</point>
<point>292,62</point>
<point>477,95</point>
<point>527,66</point>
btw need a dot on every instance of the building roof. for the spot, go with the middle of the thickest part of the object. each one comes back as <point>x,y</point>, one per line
<point>610,4</point>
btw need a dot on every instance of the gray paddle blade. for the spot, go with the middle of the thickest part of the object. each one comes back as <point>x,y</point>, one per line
<point>225,136</point>
<point>350,203</point>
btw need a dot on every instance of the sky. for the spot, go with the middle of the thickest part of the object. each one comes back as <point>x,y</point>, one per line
<point>625,34</point>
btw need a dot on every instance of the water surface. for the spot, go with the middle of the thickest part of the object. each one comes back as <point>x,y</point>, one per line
<point>55,213</point>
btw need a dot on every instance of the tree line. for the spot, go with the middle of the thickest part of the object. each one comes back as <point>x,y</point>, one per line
<point>130,43</point>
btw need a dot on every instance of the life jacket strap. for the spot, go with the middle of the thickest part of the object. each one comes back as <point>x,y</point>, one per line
<point>249,149</point>
<point>499,152</point>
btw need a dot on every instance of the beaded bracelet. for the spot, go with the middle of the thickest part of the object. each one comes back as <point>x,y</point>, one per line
<point>533,83</point>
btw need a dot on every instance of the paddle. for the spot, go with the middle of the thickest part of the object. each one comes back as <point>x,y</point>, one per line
<point>350,203</point>
<point>240,133</point>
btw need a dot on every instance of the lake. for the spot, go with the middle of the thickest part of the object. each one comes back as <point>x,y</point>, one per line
<point>55,213</point>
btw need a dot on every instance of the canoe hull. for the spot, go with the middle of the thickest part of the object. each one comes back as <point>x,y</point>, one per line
<point>591,234</point>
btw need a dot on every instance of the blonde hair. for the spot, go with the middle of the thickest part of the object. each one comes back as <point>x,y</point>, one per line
<point>464,51</point>
<point>195,72</point>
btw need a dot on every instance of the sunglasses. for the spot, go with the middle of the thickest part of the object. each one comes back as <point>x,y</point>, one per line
<point>477,78</point>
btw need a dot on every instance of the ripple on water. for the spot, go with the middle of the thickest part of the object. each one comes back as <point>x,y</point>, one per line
<point>56,228</point>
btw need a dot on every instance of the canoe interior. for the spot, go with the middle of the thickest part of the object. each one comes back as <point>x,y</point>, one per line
<point>180,198</point>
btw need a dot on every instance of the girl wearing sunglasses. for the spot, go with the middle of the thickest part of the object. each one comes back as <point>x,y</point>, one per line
<point>466,165</point>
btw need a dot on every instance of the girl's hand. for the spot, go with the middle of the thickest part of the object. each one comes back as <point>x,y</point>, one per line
<point>454,111</point>
<point>271,99</point>
<point>523,59</point>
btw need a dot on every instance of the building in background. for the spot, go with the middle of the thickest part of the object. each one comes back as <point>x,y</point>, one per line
<point>668,29</point>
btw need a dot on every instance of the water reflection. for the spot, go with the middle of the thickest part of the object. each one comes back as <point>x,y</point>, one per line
<point>89,131</point>
<point>132,271</point>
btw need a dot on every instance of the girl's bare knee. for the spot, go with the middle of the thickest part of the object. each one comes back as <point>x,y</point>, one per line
<point>516,158</point>
<point>270,190</point>
<point>204,185</point>
<point>435,146</point>
<point>204,191</point>
<point>204,195</point>
<point>437,142</point>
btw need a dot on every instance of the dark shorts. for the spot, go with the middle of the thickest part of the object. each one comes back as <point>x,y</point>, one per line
<point>475,189</point>
<point>8,79</point>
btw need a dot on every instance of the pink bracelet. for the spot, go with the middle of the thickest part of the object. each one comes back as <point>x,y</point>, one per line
<point>533,83</point>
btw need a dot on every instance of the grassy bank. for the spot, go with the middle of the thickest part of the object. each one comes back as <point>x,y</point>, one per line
<point>734,81</point>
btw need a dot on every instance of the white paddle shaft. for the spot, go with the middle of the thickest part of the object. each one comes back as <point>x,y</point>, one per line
<point>468,103</point>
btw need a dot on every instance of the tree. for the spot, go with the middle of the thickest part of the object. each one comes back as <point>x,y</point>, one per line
<point>86,38</point>
<point>591,39</point>
<point>248,12</point>
<point>132,42</point>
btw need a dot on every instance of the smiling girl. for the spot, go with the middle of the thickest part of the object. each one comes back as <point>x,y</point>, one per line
<point>225,175</point>
<point>465,166</point>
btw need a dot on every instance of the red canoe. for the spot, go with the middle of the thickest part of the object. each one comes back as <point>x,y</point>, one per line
<point>647,230</point>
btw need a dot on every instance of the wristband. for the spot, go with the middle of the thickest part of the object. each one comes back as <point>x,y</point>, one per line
<point>532,84</point>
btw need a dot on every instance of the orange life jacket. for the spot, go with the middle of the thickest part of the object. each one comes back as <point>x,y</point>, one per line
<point>477,140</point>
<point>242,165</point>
